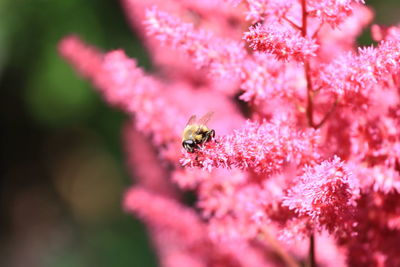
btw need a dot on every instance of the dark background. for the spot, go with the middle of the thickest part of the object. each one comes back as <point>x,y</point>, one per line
<point>62,163</point>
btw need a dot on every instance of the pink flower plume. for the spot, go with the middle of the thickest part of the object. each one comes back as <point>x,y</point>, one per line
<point>331,11</point>
<point>326,193</point>
<point>223,57</point>
<point>284,44</point>
<point>125,85</point>
<point>264,147</point>
<point>86,59</point>
<point>183,236</point>
<point>144,162</point>
<point>257,10</point>
<point>266,78</point>
<point>163,213</point>
<point>354,77</point>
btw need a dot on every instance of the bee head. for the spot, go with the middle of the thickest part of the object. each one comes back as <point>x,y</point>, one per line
<point>189,145</point>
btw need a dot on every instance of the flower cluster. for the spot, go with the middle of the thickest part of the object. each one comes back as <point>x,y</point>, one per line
<point>307,145</point>
<point>326,193</point>
<point>332,11</point>
<point>354,77</point>
<point>264,148</point>
<point>284,45</point>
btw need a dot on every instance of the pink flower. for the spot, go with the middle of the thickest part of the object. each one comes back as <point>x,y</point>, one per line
<point>143,162</point>
<point>264,148</point>
<point>266,78</point>
<point>380,33</point>
<point>162,213</point>
<point>257,10</point>
<point>331,11</point>
<point>325,193</point>
<point>284,44</point>
<point>354,77</point>
<point>86,59</point>
<point>338,40</point>
<point>376,241</point>
<point>221,56</point>
<point>125,85</point>
<point>182,236</point>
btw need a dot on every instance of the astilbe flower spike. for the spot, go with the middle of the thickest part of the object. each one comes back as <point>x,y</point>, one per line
<point>258,10</point>
<point>222,56</point>
<point>326,193</point>
<point>263,147</point>
<point>123,84</point>
<point>331,11</point>
<point>177,224</point>
<point>284,44</point>
<point>318,160</point>
<point>354,77</point>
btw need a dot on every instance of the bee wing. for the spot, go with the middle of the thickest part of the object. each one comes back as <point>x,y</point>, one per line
<point>191,120</point>
<point>203,120</point>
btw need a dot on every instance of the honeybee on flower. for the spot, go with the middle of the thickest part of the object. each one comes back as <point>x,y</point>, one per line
<point>196,132</point>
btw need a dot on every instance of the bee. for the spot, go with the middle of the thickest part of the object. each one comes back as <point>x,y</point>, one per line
<point>196,132</point>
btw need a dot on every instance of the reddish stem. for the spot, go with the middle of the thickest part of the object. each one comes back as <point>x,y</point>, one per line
<point>309,110</point>
<point>310,96</point>
<point>294,25</point>
<point>307,69</point>
<point>311,256</point>
<point>327,115</point>
<point>277,247</point>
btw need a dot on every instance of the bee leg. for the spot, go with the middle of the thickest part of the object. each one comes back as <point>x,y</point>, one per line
<point>209,136</point>
<point>212,133</point>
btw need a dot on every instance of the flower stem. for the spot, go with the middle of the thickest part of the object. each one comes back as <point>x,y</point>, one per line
<point>311,253</point>
<point>309,111</point>
<point>278,249</point>
<point>310,95</point>
<point>294,25</point>
<point>326,117</point>
<point>307,69</point>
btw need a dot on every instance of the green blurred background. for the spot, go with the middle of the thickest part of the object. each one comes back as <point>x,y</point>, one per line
<point>62,165</point>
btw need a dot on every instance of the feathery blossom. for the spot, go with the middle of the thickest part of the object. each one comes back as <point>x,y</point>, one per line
<point>375,242</point>
<point>326,193</point>
<point>284,44</point>
<point>266,78</point>
<point>186,233</point>
<point>222,56</point>
<point>339,40</point>
<point>125,85</point>
<point>331,11</point>
<point>258,10</point>
<point>215,10</point>
<point>376,143</point>
<point>156,210</point>
<point>86,59</point>
<point>353,77</point>
<point>264,148</point>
